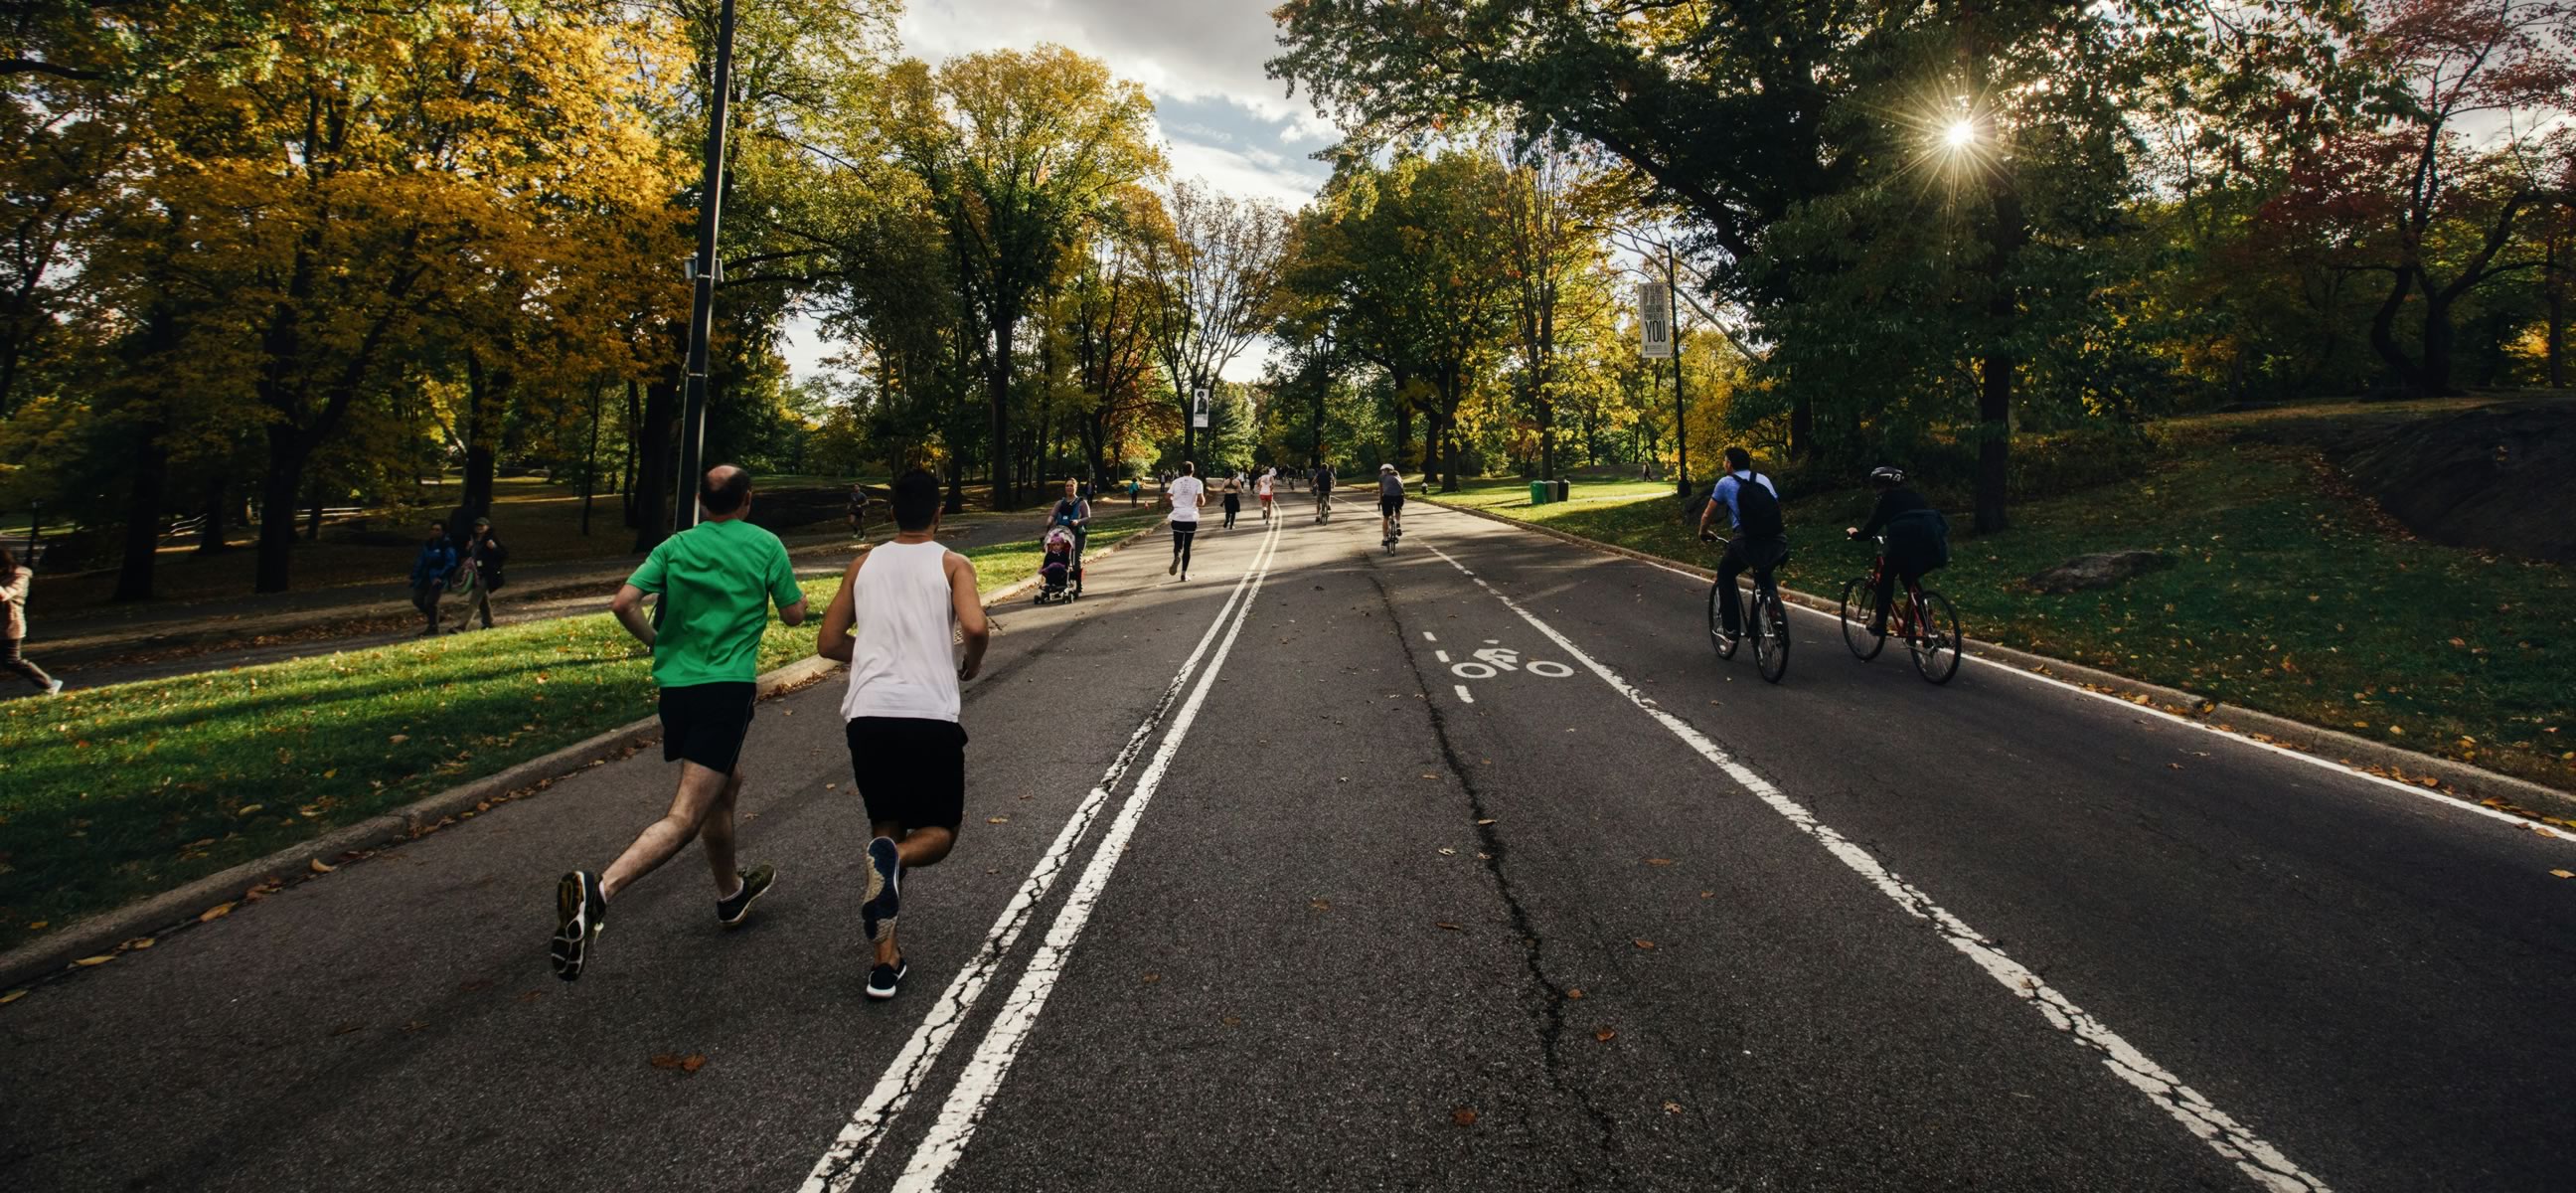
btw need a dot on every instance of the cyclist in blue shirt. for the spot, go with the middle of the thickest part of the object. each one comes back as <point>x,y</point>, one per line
<point>1761,540</point>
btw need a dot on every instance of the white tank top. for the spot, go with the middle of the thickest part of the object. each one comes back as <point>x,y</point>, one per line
<point>902,663</point>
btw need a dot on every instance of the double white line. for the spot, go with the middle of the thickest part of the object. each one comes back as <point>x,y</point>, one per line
<point>839,1168</point>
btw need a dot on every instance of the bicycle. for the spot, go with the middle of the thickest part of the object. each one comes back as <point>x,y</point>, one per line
<point>1929,625</point>
<point>1395,531</point>
<point>1323,506</point>
<point>1762,614</point>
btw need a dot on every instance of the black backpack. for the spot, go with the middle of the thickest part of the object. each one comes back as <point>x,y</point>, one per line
<point>1757,511</point>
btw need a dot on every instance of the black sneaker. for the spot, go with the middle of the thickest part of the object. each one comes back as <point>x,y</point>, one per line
<point>755,883</point>
<point>885,980</point>
<point>584,914</point>
<point>885,889</point>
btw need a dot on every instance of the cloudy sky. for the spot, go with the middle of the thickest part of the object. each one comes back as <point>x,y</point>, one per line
<point>1221,118</point>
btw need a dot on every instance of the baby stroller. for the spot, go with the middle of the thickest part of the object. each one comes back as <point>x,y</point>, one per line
<point>1060,576</point>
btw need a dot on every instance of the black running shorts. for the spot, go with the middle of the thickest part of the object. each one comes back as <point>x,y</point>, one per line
<point>910,770</point>
<point>1389,505</point>
<point>705,723</point>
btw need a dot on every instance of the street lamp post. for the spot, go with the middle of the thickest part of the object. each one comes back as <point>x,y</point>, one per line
<point>1681,425</point>
<point>703,274</point>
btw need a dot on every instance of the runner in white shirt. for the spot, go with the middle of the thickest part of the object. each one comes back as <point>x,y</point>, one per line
<point>1187,494</point>
<point>1261,488</point>
<point>892,622</point>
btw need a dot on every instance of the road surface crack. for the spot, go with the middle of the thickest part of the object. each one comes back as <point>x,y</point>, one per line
<point>1551,1001</point>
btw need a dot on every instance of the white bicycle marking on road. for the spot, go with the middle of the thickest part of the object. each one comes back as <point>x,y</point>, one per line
<point>2252,1155</point>
<point>1463,697</point>
<point>991,1062</point>
<point>850,1152</point>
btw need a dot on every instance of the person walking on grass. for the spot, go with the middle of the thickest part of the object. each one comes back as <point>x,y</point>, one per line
<point>15,580</point>
<point>1186,494</point>
<point>892,622</point>
<point>430,574</point>
<point>716,581</point>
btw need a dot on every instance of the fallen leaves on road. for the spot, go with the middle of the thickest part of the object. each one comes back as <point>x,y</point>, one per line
<point>1152,978</point>
<point>1232,1021</point>
<point>250,810</point>
<point>13,996</point>
<point>1643,943</point>
<point>102,959</point>
<point>1659,861</point>
<point>2562,874</point>
<point>1604,1036</point>
<point>216,912</point>
<point>139,942</point>
<point>1445,851</point>
<point>1672,1108</point>
<point>1464,1116</point>
<point>1444,924</point>
<point>346,1028</point>
<point>1487,820</point>
<point>322,867</point>
<point>1576,992</point>
<point>1708,894</point>
<point>1320,905</point>
<point>997,820</point>
<point>686,1064</point>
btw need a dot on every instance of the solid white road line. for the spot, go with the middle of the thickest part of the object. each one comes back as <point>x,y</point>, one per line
<point>2229,735</point>
<point>991,1062</point>
<point>2258,1159</point>
<point>851,1151</point>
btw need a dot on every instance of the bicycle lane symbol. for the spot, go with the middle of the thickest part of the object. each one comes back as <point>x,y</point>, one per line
<point>1493,660</point>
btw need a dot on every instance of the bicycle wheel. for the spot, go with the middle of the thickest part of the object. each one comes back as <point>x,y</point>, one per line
<point>1717,638</point>
<point>1860,607</point>
<point>1771,637</point>
<point>1935,641</point>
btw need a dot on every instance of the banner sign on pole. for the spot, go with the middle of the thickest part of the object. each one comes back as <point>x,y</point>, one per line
<point>1654,321</point>
<point>1199,410</point>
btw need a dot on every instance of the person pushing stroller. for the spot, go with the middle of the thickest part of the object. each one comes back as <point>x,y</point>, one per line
<point>1071,515</point>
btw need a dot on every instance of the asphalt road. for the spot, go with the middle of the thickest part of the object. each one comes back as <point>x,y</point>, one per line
<point>1262,886</point>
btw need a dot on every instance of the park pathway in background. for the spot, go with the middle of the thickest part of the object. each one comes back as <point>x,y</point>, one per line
<point>1466,867</point>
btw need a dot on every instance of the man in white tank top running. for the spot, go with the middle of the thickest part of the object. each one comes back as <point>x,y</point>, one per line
<point>891,622</point>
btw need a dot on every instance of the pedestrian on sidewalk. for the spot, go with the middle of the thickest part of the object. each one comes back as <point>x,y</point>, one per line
<point>15,580</point>
<point>1187,494</point>
<point>1233,499</point>
<point>430,574</point>
<point>716,581</point>
<point>479,574</point>
<point>1135,486</point>
<point>893,621</point>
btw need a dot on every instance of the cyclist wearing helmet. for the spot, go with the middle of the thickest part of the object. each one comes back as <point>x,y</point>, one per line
<point>1390,501</point>
<point>1323,481</point>
<point>1918,537</point>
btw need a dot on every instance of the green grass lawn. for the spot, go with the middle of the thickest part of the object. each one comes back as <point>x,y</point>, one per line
<point>115,793</point>
<point>2287,594</point>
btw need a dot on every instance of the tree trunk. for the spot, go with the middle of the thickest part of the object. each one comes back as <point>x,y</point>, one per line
<point>313,513</point>
<point>1995,370</point>
<point>1546,435</point>
<point>2439,335</point>
<point>2554,282</point>
<point>210,533</point>
<point>287,456</point>
<point>2383,333</point>
<point>634,435</point>
<point>1802,428</point>
<point>653,463</point>
<point>143,516</point>
<point>483,397</point>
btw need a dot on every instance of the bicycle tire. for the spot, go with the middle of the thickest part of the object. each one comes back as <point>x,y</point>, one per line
<point>1935,642</point>
<point>1774,660</point>
<point>1860,605</point>
<point>1717,639</point>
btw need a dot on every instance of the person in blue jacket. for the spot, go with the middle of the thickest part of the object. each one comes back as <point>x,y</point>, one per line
<point>430,573</point>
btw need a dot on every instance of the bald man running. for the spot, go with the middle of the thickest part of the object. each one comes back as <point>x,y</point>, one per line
<point>716,580</point>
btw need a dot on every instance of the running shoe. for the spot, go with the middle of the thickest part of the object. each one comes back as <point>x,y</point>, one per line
<point>885,980</point>
<point>584,914</point>
<point>755,883</point>
<point>54,688</point>
<point>1176,566</point>
<point>885,894</point>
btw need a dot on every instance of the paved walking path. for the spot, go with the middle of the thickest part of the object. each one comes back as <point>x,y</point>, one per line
<point>1466,867</point>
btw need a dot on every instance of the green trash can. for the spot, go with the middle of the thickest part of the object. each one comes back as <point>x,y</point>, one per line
<point>1541,492</point>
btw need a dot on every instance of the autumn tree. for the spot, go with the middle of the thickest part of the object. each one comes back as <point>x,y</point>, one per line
<point>1214,277</point>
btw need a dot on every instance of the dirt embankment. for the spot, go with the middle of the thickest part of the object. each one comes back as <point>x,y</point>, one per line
<point>2500,477</point>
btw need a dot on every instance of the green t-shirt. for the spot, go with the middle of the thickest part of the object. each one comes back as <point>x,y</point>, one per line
<point>716,580</point>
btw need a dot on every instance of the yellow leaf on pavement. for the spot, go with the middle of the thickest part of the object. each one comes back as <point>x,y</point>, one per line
<point>101,960</point>
<point>13,996</point>
<point>320,867</point>
<point>2562,873</point>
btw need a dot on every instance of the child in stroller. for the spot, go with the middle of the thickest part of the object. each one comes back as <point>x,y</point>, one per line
<point>1060,576</point>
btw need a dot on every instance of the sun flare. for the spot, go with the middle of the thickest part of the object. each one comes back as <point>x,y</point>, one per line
<point>1961,134</point>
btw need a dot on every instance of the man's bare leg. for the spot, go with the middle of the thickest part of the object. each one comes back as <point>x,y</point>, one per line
<point>700,790</point>
<point>917,848</point>
<point>716,833</point>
